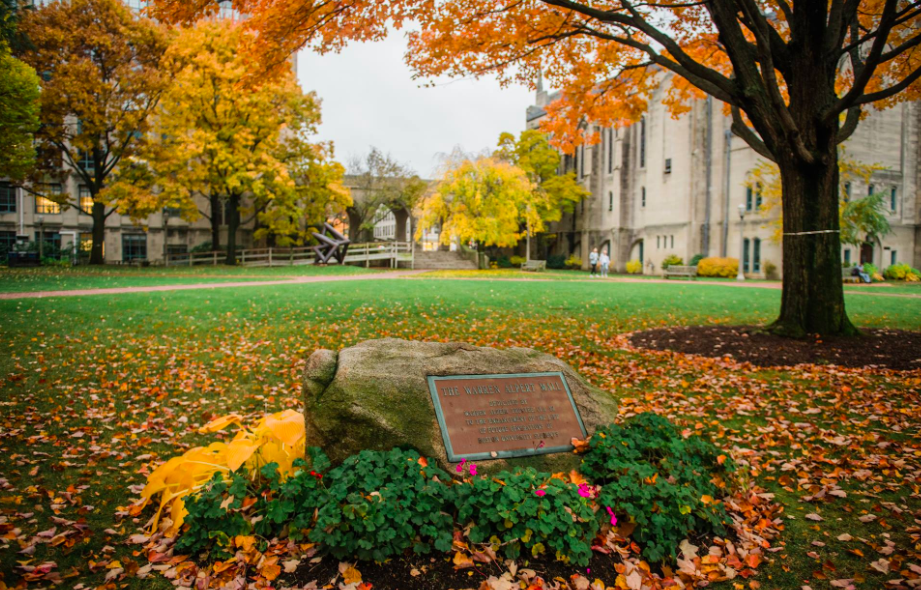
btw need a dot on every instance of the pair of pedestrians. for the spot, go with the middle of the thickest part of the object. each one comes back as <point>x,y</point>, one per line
<point>600,263</point>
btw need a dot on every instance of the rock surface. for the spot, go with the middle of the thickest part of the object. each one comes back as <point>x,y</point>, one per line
<point>375,396</point>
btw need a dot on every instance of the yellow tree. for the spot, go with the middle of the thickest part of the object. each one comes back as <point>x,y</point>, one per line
<point>795,75</point>
<point>556,192</point>
<point>246,151</point>
<point>100,81</point>
<point>485,201</point>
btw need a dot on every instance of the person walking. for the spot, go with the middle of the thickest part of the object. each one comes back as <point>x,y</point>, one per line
<point>605,261</point>
<point>593,261</point>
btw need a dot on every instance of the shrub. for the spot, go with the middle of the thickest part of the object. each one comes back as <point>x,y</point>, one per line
<point>672,260</point>
<point>503,261</point>
<point>381,504</point>
<point>505,510</point>
<point>770,270</point>
<point>517,260</point>
<point>634,267</point>
<point>574,261</point>
<point>873,271</point>
<point>212,522</point>
<point>902,272</point>
<point>556,261</point>
<point>665,483</point>
<point>718,267</point>
<point>696,259</point>
<point>215,514</point>
<point>292,502</point>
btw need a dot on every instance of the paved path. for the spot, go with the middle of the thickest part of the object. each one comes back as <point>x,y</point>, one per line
<point>407,273</point>
<point>186,287</point>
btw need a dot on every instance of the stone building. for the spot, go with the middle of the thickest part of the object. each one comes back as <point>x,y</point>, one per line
<point>665,186</point>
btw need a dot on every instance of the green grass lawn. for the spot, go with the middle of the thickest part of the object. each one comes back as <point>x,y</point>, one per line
<point>17,280</point>
<point>97,391</point>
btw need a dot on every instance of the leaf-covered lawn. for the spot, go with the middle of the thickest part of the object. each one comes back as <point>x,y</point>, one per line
<point>97,391</point>
<point>18,280</point>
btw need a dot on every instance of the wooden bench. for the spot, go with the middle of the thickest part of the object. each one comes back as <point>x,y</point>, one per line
<point>847,277</point>
<point>689,272</point>
<point>535,265</point>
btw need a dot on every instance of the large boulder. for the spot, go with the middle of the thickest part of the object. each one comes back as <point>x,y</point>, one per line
<point>375,396</point>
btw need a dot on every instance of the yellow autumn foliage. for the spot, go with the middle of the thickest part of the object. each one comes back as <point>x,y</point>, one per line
<point>276,438</point>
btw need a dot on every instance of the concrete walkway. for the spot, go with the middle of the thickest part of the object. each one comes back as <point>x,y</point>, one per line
<point>187,287</point>
<point>410,273</point>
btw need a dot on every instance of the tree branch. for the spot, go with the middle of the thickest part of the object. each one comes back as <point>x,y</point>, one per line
<point>749,136</point>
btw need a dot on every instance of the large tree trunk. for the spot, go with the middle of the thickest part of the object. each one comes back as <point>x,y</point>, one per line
<point>215,202</point>
<point>813,292</point>
<point>233,222</point>
<point>355,221</point>
<point>99,233</point>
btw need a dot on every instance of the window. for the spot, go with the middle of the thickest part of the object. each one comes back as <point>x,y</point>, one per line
<point>892,201</point>
<point>758,196</point>
<point>749,198</point>
<point>746,246</point>
<point>610,200</point>
<point>7,241</point>
<point>582,162</point>
<point>672,240</point>
<point>86,162</point>
<point>658,245</point>
<point>174,249</point>
<point>756,255</point>
<point>668,165</point>
<point>643,142</point>
<point>86,201</point>
<point>7,198</point>
<point>575,161</point>
<point>847,192</point>
<point>172,211</point>
<point>52,243</point>
<point>134,247</point>
<point>47,206</point>
<point>847,255</point>
<point>871,190</point>
<point>86,243</point>
<point>892,257</point>
<point>643,197</point>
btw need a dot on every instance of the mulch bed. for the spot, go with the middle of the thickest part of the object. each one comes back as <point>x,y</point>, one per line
<point>428,573</point>
<point>890,349</point>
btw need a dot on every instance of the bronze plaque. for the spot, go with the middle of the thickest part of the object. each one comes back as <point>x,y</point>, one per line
<point>502,416</point>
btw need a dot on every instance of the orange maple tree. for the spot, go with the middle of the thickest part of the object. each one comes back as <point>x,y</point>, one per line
<point>795,75</point>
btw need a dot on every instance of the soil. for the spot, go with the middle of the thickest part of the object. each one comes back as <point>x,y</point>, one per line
<point>438,573</point>
<point>890,349</point>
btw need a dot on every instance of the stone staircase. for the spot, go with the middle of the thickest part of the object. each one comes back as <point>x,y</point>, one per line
<point>440,260</point>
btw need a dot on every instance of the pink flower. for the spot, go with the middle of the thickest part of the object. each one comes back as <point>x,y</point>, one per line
<point>460,468</point>
<point>585,491</point>
<point>613,518</point>
<point>540,493</point>
<point>473,469</point>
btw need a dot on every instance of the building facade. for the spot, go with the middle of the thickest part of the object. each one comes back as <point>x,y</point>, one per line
<point>665,186</point>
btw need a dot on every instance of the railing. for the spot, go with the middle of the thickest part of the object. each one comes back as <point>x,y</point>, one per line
<point>395,252</point>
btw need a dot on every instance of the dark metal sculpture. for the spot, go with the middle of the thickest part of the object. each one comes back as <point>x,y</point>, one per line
<point>334,245</point>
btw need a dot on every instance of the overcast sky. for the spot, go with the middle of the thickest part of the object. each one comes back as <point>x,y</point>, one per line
<point>369,98</point>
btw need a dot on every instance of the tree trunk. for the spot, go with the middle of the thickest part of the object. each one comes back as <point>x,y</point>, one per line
<point>215,202</point>
<point>233,222</point>
<point>813,292</point>
<point>355,221</point>
<point>99,233</point>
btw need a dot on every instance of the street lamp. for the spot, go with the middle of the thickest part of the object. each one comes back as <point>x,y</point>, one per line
<point>741,275</point>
